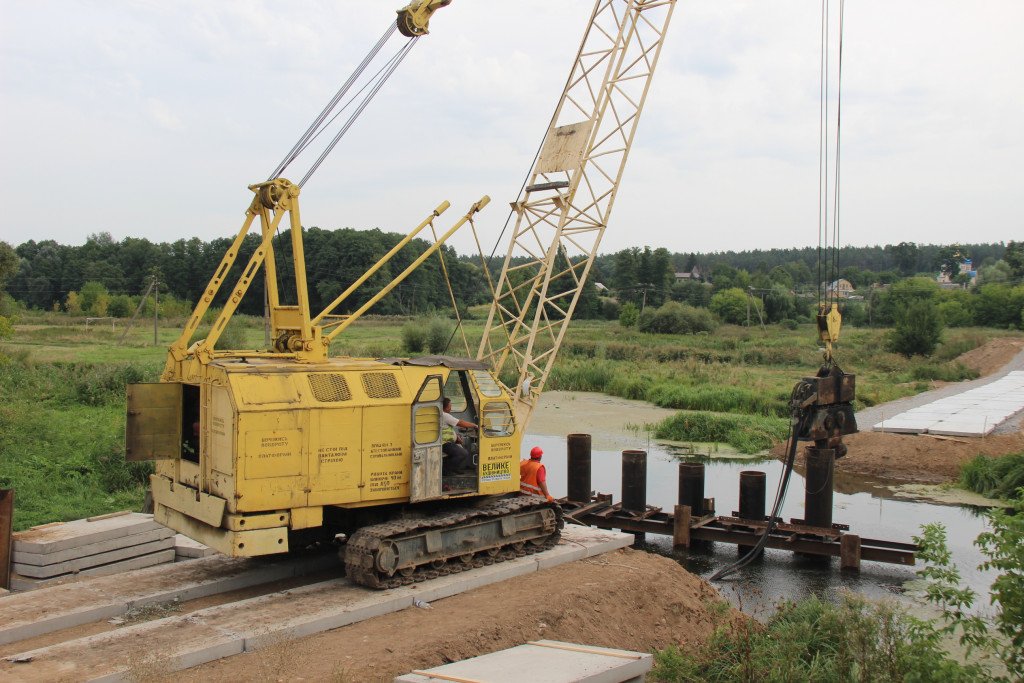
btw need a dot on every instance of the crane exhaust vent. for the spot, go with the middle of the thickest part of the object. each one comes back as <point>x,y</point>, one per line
<point>330,388</point>
<point>381,385</point>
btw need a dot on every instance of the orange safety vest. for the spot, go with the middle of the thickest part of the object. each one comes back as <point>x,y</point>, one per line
<point>528,470</point>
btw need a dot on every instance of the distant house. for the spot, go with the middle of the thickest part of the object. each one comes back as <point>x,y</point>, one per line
<point>601,288</point>
<point>841,288</point>
<point>693,274</point>
<point>966,268</point>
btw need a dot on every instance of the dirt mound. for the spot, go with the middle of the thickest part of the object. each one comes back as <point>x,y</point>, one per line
<point>919,459</point>
<point>606,601</point>
<point>992,355</point>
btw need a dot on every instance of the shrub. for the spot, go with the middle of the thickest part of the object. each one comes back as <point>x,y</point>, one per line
<point>629,314</point>
<point>918,330</point>
<point>676,318</point>
<point>788,323</point>
<point>610,308</point>
<point>121,306</point>
<point>1003,547</point>
<point>439,333</point>
<point>414,337</point>
<point>956,314</point>
<point>813,640</point>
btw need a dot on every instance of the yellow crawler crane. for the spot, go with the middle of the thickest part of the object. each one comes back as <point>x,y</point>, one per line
<point>262,451</point>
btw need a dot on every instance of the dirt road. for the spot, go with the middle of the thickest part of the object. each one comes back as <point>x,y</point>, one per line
<point>627,599</point>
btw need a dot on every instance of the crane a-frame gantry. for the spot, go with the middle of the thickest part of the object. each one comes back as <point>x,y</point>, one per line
<point>568,198</point>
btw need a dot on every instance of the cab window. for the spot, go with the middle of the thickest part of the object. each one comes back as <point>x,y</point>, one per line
<point>497,419</point>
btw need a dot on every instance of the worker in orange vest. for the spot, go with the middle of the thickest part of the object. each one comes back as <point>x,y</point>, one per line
<point>533,478</point>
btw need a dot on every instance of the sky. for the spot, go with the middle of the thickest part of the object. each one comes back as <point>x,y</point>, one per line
<point>148,118</point>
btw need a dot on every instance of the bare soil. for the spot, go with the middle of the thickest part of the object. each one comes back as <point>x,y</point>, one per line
<point>626,599</point>
<point>920,459</point>
<point>923,459</point>
<point>991,356</point>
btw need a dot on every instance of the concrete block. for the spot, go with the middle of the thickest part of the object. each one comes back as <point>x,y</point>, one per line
<point>26,583</point>
<point>46,559</point>
<point>904,426</point>
<point>51,538</point>
<point>543,660</point>
<point>560,555</point>
<point>98,560</point>
<point>185,547</point>
<point>962,427</point>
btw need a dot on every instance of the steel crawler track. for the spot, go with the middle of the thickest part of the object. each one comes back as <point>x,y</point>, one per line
<point>405,551</point>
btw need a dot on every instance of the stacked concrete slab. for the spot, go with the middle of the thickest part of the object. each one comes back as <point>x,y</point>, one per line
<point>973,413</point>
<point>102,545</point>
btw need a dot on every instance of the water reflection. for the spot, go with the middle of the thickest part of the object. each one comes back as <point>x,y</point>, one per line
<point>782,575</point>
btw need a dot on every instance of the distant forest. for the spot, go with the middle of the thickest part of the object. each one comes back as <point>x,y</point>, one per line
<point>52,276</point>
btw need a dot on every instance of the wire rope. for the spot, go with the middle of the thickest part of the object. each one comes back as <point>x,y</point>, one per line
<point>315,126</point>
<point>360,108</point>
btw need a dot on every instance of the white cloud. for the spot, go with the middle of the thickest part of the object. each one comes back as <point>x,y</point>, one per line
<point>162,115</point>
<point>725,157</point>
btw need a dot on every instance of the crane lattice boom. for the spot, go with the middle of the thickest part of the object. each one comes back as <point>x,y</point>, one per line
<point>567,201</point>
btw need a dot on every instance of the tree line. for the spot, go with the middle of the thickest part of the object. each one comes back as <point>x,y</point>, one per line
<point>109,275</point>
<point>106,277</point>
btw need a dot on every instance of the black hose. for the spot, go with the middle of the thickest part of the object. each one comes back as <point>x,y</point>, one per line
<point>796,427</point>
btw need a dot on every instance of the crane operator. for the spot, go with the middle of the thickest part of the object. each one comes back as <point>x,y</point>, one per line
<point>457,459</point>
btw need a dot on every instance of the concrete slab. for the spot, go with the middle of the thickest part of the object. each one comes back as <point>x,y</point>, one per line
<point>543,661</point>
<point>197,637</point>
<point>960,429</point>
<point>91,561</point>
<point>51,538</point>
<point>185,547</point>
<point>67,602</point>
<point>45,559</point>
<point>904,426</point>
<point>28,583</point>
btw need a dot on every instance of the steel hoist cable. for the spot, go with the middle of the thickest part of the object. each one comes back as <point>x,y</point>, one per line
<point>828,196</point>
<point>828,264</point>
<point>334,108</point>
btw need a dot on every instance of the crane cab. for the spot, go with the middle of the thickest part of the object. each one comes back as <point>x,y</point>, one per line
<point>250,450</point>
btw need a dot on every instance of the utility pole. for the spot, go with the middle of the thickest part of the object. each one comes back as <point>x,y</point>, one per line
<point>156,309</point>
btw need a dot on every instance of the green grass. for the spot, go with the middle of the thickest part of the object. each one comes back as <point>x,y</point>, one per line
<point>746,433</point>
<point>1001,477</point>
<point>62,388</point>
<point>62,439</point>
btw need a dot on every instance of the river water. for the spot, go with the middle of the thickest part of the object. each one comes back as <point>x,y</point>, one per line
<point>870,513</point>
